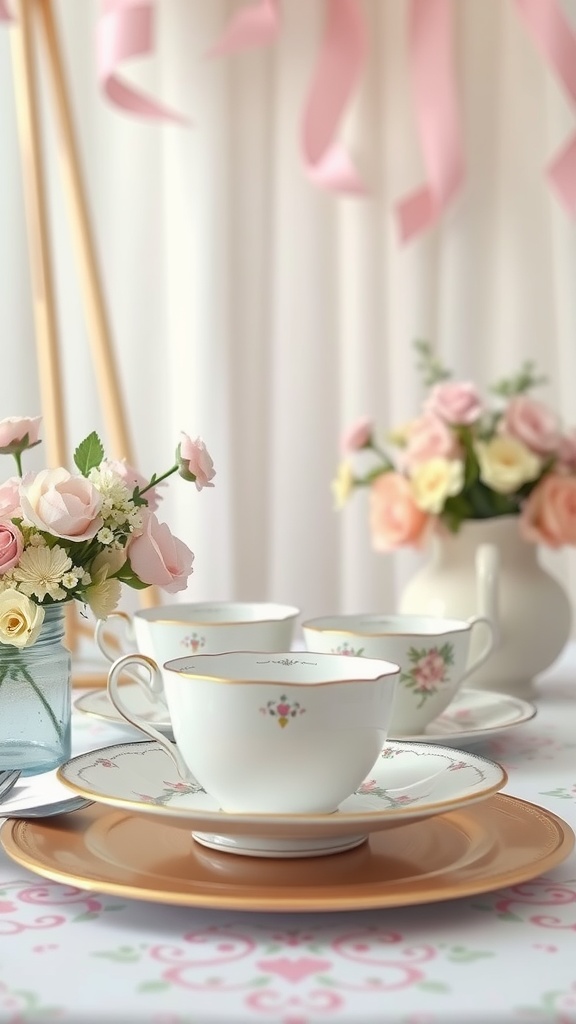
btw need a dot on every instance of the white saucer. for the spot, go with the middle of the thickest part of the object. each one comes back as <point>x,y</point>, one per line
<point>475,715</point>
<point>410,781</point>
<point>472,716</point>
<point>97,703</point>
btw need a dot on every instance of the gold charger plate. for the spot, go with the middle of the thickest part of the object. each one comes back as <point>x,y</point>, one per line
<point>500,842</point>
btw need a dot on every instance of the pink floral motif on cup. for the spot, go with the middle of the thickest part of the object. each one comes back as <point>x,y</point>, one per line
<point>283,710</point>
<point>429,670</point>
<point>193,642</point>
<point>347,649</point>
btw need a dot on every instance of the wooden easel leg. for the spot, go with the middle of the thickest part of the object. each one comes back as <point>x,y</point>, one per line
<point>49,370</point>
<point>74,192</point>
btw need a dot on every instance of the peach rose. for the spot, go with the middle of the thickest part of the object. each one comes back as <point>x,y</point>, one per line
<point>456,402</point>
<point>64,505</point>
<point>429,438</point>
<point>549,515</point>
<point>533,423</point>
<point>358,435</point>
<point>14,429</point>
<point>195,462</point>
<point>395,519</point>
<point>11,546</point>
<point>10,498</point>
<point>158,558</point>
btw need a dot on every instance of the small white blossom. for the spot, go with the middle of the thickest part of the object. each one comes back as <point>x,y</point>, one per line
<point>69,580</point>
<point>105,536</point>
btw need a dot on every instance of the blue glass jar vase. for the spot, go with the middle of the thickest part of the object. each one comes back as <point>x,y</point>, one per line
<point>35,699</point>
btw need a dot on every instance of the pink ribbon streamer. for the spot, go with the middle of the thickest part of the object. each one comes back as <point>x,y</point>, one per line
<point>431,65</point>
<point>339,68</point>
<point>4,12</point>
<point>556,41</point>
<point>125,30</point>
<point>257,25</point>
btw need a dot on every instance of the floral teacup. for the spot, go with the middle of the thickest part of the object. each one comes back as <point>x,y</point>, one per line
<point>202,627</point>
<point>433,655</point>
<point>271,733</point>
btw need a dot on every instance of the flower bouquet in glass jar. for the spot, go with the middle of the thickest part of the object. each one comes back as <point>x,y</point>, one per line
<point>73,536</point>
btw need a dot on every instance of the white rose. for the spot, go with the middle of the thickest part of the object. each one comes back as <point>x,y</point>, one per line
<point>20,619</point>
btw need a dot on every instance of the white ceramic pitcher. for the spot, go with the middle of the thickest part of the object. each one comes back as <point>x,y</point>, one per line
<point>488,569</point>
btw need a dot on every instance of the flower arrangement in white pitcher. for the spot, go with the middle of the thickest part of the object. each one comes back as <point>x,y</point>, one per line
<point>464,459</point>
<point>483,485</point>
<point>81,536</point>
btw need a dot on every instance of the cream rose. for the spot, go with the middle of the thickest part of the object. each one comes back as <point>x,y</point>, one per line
<point>506,464</point>
<point>20,619</point>
<point>64,505</point>
<point>435,481</point>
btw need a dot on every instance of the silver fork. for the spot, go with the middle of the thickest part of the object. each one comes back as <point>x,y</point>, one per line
<point>49,810</point>
<point>7,780</point>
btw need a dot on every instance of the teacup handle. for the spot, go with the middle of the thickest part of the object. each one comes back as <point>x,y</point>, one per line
<point>480,620</point>
<point>105,645</point>
<point>152,684</point>
<point>103,628</point>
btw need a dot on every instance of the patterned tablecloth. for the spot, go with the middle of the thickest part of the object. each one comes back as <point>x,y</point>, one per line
<point>84,957</point>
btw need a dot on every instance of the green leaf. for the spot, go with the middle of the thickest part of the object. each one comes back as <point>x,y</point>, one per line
<point>433,986</point>
<point>153,986</point>
<point>89,453</point>
<point>127,575</point>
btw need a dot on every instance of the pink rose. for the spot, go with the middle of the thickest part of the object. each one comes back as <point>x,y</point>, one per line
<point>10,498</point>
<point>195,462</point>
<point>430,670</point>
<point>11,546</point>
<point>533,423</point>
<point>158,558</point>
<point>358,435</point>
<point>549,515</point>
<point>14,429</point>
<point>61,504</point>
<point>456,402</point>
<point>132,478</point>
<point>429,438</point>
<point>395,519</point>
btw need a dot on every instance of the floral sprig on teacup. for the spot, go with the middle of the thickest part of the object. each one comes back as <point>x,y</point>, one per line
<point>80,536</point>
<point>464,459</point>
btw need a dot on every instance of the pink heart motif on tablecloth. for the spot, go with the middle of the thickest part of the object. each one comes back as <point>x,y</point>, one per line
<point>294,970</point>
<point>283,709</point>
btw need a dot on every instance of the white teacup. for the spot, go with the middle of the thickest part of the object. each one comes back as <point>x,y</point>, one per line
<point>265,733</point>
<point>432,654</point>
<point>208,627</point>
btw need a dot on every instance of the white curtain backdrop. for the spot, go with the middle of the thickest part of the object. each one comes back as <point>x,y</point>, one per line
<point>252,308</point>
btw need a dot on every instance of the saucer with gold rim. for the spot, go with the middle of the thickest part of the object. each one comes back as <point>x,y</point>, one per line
<point>409,782</point>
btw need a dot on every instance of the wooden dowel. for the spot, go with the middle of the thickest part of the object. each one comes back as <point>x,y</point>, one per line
<point>28,116</point>
<point>96,316</point>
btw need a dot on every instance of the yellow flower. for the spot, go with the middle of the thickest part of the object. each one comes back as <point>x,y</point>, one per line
<point>20,619</point>
<point>434,481</point>
<point>342,484</point>
<point>40,572</point>
<point>506,464</point>
<point>103,594</point>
